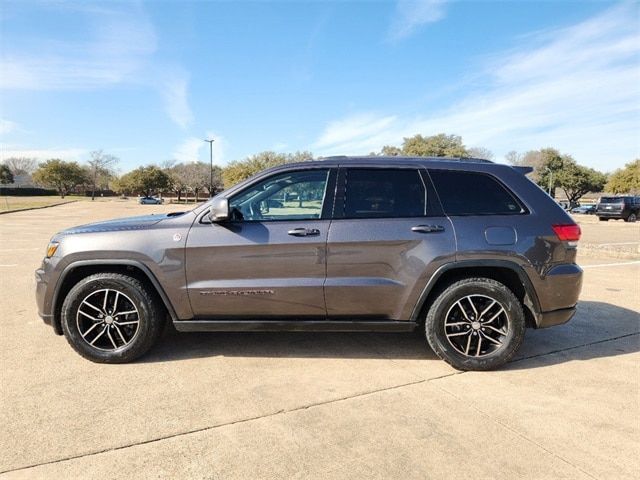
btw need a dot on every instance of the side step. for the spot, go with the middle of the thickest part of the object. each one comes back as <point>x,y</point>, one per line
<point>293,326</point>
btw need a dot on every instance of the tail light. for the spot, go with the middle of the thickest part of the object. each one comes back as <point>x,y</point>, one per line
<point>567,233</point>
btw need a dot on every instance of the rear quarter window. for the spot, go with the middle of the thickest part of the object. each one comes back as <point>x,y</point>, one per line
<point>473,193</point>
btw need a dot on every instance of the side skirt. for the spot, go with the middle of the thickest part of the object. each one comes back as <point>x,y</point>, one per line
<point>293,326</point>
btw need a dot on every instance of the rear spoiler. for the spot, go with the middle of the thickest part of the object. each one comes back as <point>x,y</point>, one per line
<point>523,170</point>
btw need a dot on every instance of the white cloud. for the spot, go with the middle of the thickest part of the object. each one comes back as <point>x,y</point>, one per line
<point>576,88</point>
<point>174,92</point>
<point>119,50</point>
<point>410,15</point>
<point>7,126</point>
<point>189,150</point>
<point>194,149</point>
<point>69,154</point>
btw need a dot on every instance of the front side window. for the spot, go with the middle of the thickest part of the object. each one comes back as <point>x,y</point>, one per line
<point>285,196</point>
<point>384,193</point>
<point>473,193</point>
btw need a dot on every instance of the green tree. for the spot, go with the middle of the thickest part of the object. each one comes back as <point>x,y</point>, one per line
<point>391,151</point>
<point>547,163</point>
<point>143,180</point>
<point>242,169</point>
<point>61,175</point>
<point>576,180</point>
<point>6,176</point>
<point>625,180</point>
<point>440,145</point>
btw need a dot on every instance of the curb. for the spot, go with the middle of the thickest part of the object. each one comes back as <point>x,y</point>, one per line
<point>38,208</point>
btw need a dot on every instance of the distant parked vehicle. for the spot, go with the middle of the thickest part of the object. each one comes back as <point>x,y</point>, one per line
<point>585,209</point>
<point>623,207</point>
<point>150,201</point>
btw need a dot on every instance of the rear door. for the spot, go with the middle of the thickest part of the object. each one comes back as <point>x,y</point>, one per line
<point>387,238</point>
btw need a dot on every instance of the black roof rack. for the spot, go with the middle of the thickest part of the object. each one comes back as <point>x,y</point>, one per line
<point>388,157</point>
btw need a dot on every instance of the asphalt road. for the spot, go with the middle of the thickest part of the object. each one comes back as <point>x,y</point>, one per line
<point>315,405</point>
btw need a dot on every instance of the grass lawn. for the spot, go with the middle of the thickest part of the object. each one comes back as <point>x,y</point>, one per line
<point>11,203</point>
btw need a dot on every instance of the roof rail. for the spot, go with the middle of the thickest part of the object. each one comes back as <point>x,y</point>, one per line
<point>403,157</point>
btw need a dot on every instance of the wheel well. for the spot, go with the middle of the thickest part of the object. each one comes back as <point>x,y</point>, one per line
<point>504,275</point>
<point>84,271</point>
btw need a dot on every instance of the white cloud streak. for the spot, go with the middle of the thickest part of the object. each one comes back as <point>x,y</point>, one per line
<point>7,126</point>
<point>41,154</point>
<point>120,50</point>
<point>575,88</point>
<point>194,149</point>
<point>410,15</point>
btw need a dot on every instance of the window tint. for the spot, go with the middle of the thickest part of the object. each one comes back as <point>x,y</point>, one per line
<point>376,193</point>
<point>287,196</point>
<point>470,193</point>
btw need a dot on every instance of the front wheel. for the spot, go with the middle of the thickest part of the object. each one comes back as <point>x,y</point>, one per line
<point>111,318</point>
<point>475,324</point>
<point>632,218</point>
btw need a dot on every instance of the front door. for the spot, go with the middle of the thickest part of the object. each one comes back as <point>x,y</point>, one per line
<point>387,238</point>
<point>268,261</point>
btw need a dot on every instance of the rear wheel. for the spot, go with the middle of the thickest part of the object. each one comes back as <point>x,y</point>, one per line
<point>631,218</point>
<point>111,318</point>
<point>475,324</point>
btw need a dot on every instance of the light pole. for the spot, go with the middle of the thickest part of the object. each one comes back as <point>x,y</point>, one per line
<point>210,142</point>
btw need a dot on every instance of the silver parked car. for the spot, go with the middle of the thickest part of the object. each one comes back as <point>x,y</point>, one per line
<point>150,201</point>
<point>468,251</point>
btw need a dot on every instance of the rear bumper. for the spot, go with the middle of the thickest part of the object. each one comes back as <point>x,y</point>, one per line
<point>556,317</point>
<point>617,214</point>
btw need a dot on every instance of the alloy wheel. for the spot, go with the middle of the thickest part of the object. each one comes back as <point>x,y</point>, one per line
<point>476,325</point>
<point>107,319</point>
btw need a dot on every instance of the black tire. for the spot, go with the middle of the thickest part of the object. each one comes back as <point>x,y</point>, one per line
<point>631,218</point>
<point>150,318</point>
<point>493,356</point>
<point>602,219</point>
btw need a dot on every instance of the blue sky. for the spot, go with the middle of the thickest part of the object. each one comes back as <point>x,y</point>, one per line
<point>148,81</point>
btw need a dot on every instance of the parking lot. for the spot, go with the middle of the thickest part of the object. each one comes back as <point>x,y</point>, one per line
<point>320,405</point>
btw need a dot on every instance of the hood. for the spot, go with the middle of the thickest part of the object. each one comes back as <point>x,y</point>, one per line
<point>119,224</point>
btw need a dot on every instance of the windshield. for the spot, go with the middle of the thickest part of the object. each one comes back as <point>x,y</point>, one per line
<point>611,200</point>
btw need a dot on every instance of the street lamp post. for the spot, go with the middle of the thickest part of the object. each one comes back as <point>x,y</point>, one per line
<point>210,142</point>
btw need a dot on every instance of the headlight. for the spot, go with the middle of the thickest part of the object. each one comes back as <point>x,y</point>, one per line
<point>51,249</point>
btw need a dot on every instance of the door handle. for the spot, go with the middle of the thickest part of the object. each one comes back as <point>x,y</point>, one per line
<point>427,228</point>
<point>304,232</point>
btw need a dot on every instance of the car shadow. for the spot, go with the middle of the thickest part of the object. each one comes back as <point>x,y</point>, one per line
<point>595,323</point>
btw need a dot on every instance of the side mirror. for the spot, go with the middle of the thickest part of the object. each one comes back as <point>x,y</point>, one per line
<point>219,210</point>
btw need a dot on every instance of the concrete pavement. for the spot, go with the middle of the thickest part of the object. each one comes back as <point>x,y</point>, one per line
<point>314,405</point>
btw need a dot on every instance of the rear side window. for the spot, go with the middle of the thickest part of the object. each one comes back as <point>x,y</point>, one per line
<point>473,193</point>
<point>382,193</point>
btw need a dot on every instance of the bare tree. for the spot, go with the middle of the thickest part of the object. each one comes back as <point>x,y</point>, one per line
<point>480,152</point>
<point>21,165</point>
<point>100,164</point>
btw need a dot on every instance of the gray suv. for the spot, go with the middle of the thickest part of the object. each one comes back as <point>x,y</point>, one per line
<point>469,251</point>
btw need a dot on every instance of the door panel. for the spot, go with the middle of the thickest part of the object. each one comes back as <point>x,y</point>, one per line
<point>256,269</point>
<point>378,267</point>
<point>269,261</point>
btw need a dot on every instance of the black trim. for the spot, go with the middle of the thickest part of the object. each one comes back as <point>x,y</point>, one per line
<point>463,264</point>
<point>292,326</point>
<point>126,263</point>
<point>556,317</point>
